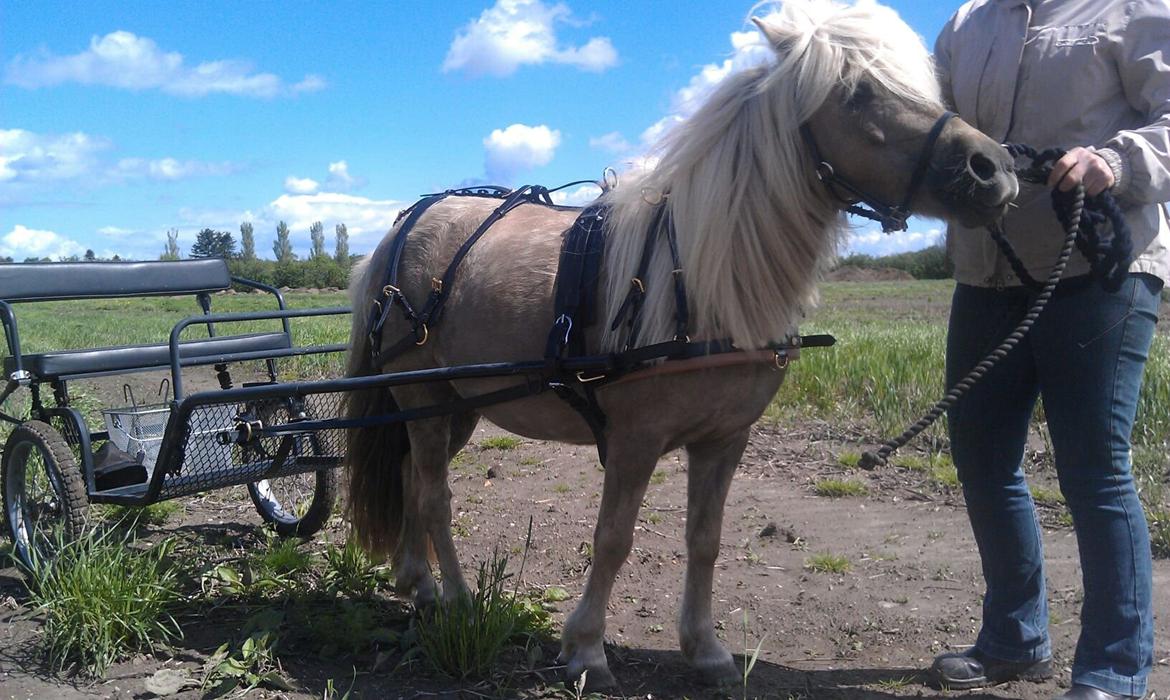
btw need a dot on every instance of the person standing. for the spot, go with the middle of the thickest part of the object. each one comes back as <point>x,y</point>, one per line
<point>1091,77</point>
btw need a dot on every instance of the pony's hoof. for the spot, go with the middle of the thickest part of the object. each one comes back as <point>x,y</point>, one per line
<point>720,674</point>
<point>595,678</point>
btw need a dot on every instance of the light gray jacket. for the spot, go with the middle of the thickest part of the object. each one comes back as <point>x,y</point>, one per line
<point>1064,73</point>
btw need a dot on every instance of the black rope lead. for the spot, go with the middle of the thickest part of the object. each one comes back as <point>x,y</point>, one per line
<point>869,460</point>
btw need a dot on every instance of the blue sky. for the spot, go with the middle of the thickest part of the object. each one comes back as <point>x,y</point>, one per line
<point>122,120</point>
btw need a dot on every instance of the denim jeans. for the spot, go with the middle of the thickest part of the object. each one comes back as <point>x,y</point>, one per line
<point>1085,356</point>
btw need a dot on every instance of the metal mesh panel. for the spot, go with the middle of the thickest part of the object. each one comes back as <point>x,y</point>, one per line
<point>138,430</point>
<point>208,463</point>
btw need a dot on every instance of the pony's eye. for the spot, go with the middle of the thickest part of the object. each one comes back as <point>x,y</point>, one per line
<point>861,97</point>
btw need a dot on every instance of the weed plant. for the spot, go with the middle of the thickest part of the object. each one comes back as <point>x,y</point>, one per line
<point>103,597</point>
<point>839,488</point>
<point>827,564</point>
<point>463,638</point>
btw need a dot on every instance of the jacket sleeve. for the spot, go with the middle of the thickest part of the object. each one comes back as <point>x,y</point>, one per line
<point>1140,157</point>
<point>942,63</point>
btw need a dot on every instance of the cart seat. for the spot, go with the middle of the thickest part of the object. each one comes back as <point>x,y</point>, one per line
<point>130,358</point>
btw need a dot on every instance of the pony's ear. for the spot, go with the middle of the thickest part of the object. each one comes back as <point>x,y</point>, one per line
<point>776,39</point>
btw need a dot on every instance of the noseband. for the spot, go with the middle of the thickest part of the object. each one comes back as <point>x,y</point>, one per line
<point>891,216</point>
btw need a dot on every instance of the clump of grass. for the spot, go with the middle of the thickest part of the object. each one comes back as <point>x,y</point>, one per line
<point>1046,497</point>
<point>154,514</point>
<point>500,442</point>
<point>463,638</point>
<point>849,459</point>
<point>942,472</point>
<point>839,488</point>
<point>284,557</point>
<point>349,570</point>
<point>827,564</point>
<point>102,598</point>
<point>658,477</point>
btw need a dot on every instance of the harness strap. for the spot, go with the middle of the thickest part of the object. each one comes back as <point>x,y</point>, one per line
<point>440,288</point>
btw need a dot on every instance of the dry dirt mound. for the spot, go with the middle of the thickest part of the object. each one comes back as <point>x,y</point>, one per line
<point>852,273</point>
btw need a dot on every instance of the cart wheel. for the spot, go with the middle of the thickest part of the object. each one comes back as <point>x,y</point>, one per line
<point>300,504</point>
<point>44,494</point>
<point>297,505</point>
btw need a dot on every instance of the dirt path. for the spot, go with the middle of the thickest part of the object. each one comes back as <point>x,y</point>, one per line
<point>911,591</point>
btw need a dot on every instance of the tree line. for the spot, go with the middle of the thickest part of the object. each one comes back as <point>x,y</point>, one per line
<point>320,269</point>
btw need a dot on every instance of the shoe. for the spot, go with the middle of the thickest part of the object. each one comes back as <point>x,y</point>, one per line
<point>1085,692</point>
<point>974,669</point>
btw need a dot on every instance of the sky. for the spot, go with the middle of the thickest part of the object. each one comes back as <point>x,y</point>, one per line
<point>121,121</point>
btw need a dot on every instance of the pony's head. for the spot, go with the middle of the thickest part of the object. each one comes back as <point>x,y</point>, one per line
<point>848,86</point>
<point>863,85</point>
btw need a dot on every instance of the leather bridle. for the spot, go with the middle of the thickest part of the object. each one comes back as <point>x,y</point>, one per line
<point>892,217</point>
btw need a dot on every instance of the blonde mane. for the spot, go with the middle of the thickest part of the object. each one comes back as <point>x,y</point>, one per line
<point>754,226</point>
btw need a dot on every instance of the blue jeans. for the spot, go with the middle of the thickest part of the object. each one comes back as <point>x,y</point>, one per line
<point>1085,356</point>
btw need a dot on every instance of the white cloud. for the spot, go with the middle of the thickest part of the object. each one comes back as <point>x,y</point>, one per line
<point>517,148</point>
<point>116,232</point>
<point>30,157</point>
<point>613,142</point>
<point>170,169</point>
<point>577,197</point>
<point>513,33</point>
<point>871,241</point>
<point>300,185</point>
<point>124,60</point>
<point>23,242</point>
<point>360,215</point>
<point>340,179</point>
<point>747,49</point>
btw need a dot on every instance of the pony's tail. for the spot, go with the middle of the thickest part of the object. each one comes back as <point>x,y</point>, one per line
<point>374,454</point>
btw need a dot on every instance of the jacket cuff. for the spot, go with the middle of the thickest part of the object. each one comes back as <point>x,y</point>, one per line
<point>1120,167</point>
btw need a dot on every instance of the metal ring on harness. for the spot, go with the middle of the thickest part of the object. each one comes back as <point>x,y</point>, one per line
<point>426,334</point>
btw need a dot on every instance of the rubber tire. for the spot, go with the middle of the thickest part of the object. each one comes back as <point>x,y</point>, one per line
<point>325,490</point>
<point>63,472</point>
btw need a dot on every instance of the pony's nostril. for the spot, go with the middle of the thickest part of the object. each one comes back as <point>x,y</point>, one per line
<point>981,167</point>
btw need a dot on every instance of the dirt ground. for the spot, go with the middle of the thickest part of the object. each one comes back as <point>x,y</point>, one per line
<point>912,590</point>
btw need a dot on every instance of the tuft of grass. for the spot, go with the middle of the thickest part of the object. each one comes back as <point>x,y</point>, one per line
<point>155,514</point>
<point>349,570</point>
<point>838,488</point>
<point>284,557</point>
<point>103,597</point>
<point>849,459</point>
<point>500,442</point>
<point>827,564</point>
<point>463,638</point>
<point>1046,497</point>
<point>658,477</point>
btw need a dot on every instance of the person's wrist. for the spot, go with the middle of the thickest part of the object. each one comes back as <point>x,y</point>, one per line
<point>1118,166</point>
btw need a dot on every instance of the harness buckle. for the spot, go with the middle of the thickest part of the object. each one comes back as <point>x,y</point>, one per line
<point>781,359</point>
<point>638,285</point>
<point>825,172</point>
<point>436,285</point>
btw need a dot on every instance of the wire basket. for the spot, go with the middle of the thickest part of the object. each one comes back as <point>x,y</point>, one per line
<point>138,430</point>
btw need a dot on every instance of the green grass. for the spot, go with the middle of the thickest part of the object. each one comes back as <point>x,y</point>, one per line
<point>1046,496</point>
<point>463,638</point>
<point>838,488</point>
<point>827,564</point>
<point>104,597</point>
<point>154,514</point>
<point>500,442</point>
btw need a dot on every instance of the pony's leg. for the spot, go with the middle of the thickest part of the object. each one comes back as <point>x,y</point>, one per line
<point>412,570</point>
<point>630,462</point>
<point>710,467</point>
<point>430,442</point>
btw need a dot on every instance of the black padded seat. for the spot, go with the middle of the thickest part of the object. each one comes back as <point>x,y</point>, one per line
<point>129,358</point>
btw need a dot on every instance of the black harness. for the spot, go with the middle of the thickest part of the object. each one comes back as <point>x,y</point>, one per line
<point>891,216</point>
<point>568,369</point>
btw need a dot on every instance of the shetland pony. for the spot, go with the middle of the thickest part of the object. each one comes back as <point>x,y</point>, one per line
<point>755,228</point>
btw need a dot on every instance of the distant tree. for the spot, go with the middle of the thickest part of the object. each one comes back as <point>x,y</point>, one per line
<point>69,258</point>
<point>171,252</point>
<point>7,259</point>
<point>317,235</point>
<point>342,253</point>
<point>89,255</point>
<point>214,244</point>
<point>116,258</point>
<point>282,246</point>
<point>247,241</point>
